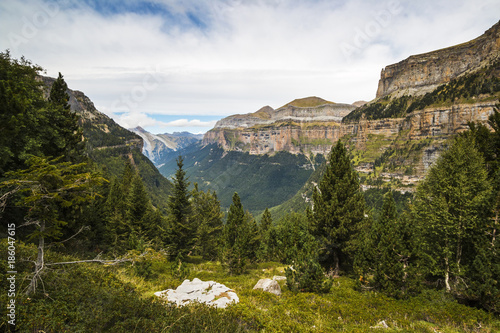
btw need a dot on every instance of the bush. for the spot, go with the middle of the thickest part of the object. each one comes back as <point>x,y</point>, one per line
<point>307,275</point>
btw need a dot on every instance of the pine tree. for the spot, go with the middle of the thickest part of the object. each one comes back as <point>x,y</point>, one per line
<point>338,209</point>
<point>484,286</point>
<point>237,238</point>
<point>266,235</point>
<point>138,205</point>
<point>46,186</point>
<point>392,252</point>
<point>208,216</point>
<point>182,231</point>
<point>451,209</point>
<point>64,136</point>
<point>58,93</point>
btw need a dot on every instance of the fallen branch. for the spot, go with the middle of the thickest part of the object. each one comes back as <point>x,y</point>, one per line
<point>102,261</point>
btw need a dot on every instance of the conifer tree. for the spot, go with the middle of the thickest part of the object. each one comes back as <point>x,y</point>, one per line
<point>208,216</point>
<point>58,93</point>
<point>391,247</point>
<point>484,286</point>
<point>266,235</point>
<point>64,135</point>
<point>46,186</point>
<point>338,209</point>
<point>182,231</point>
<point>138,204</point>
<point>451,209</point>
<point>236,237</point>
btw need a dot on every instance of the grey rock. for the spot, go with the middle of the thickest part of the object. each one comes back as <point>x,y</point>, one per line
<point>268,285</point>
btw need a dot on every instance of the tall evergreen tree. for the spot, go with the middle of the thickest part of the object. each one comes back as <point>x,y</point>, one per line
<point>208,216</point>
<point>266,235</point>
<point>21,99</point>
<point>181,228</point>
<point>237,238</point>
<point>64,136</point>
<point>338,209</point>
<point>58,93</point>
<point>451,209</point>
<point>389,246</point>
<point>484,286</point>
<point>138,204</point>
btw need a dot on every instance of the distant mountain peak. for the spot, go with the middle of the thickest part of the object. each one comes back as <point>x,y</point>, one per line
<point>307,102</point>
<point>158,146</point>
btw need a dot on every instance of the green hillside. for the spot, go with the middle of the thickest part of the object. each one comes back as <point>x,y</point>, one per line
<point>261,181</point>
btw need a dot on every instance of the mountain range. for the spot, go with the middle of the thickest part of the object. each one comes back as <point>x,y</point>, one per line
<point>421,102</point>
<point>158,147</point>
<point>273,157</point>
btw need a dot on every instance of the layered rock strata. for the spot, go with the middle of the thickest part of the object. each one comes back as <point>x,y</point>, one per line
<point>422,73</point>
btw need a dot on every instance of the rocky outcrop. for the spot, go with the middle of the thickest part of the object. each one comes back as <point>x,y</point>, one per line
<point>206,292</point>
<point>422,73</point>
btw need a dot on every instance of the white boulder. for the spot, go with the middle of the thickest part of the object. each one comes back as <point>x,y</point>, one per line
<point>268,285</point>
<point>207,292</point>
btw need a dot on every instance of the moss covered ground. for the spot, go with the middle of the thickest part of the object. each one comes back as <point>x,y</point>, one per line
<point>119,298</point>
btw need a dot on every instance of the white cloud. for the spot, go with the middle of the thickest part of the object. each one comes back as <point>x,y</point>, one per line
<point>247,53</point>
<point>134,119</point>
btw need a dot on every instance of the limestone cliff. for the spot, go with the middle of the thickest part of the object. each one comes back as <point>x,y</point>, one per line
<point>402,132</point>
<point>317,137</point>
<point>310,109</point>
<point>422,73</point>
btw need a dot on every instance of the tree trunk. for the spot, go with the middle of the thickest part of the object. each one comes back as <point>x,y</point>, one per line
<point>447,275</point>
<point>39,264</point>
<point>336,265</point>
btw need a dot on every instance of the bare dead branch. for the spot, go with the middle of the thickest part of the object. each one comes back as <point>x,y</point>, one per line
<point>85,227</point>
<point>102,261</point>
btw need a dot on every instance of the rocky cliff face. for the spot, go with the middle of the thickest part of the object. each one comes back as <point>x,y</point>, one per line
<point>308,124</point>
<point>318,137</point>
<point>266,116</point>
<point>99,130</point>
<point>422,73</point>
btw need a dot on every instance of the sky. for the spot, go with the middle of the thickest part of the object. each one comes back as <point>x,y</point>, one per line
<point>181,65</point>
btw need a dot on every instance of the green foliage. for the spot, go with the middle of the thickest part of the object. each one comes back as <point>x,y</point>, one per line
<point>208,216</point>
<point>240,238</point>
<point>338,209</point>
<point>291,237</point>
<point>451,210</point>
<point>267,236</point>
<point>182,229</point>
<point>307,275</point>
<point>58,94</point>
<point>260,180</point>
<point>46,188</point>
<point>179,268</point>
<point>374,199</point>
<point>385,255</point>
<point>130,219</point>
<point>39,127</point>
<point>94,298</point>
